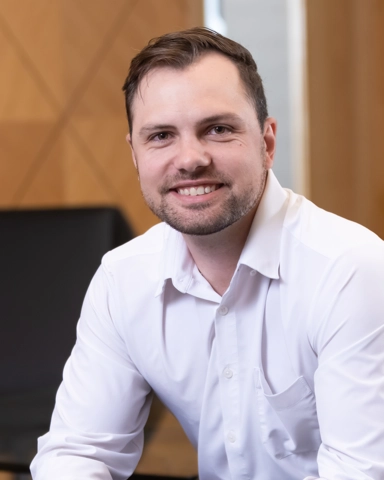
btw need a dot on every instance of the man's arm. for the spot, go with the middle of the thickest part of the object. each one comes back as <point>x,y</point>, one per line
<point>103,403</point>
<point>349,381</point>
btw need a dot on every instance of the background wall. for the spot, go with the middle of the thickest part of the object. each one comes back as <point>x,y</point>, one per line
<point>62,118</point>
<point>346,108</point>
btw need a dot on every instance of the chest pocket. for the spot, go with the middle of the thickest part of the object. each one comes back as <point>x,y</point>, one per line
<point>288,420</point>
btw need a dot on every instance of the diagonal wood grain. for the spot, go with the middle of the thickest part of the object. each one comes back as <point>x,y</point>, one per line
<point>63,117</point>
<point>22,96</point>
<point>65,179</point>
<point>20,142</point>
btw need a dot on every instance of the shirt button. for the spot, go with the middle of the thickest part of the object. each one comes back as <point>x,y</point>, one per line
<point>223,310</point>
<point>228,373</point>
<point>231,436</point>
<point>252,273</point>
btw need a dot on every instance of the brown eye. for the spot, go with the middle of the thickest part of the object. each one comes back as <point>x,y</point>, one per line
<point>162,136</point>
<point>219,130</point>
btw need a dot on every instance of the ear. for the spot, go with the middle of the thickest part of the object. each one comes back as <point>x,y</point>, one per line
<point>129,141</point>
<point>269,135</point>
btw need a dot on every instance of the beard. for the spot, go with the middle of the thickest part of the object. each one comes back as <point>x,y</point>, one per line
<point>206,218</point>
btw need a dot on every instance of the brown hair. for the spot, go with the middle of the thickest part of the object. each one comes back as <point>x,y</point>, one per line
<point>180,49</point>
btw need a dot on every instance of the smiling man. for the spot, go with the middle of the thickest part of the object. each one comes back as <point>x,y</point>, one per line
<point>256,317</point>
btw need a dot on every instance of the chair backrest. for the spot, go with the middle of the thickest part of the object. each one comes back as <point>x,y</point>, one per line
<point>47,259</point>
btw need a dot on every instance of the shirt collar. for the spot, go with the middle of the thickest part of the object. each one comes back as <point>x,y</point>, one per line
<point>261,251</point>
<point>176,262</point>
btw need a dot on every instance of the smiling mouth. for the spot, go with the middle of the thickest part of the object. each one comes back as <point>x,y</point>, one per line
<point>197,190</point>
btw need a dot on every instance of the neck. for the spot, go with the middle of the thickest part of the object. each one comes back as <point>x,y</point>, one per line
<point>217,255</point>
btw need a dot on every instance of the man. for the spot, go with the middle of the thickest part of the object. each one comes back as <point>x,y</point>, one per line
<point>256,317</point>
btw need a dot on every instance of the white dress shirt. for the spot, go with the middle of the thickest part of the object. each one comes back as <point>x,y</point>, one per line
<point>281,378</point>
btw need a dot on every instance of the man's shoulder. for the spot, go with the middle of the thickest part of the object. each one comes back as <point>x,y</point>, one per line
<point>149,244</point>
<point>325,233</point>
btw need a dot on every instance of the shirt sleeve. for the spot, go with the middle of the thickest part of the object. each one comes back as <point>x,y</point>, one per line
<point>102,405</point>
<point>348,338</point>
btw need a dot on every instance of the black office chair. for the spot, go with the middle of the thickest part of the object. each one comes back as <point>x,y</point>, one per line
<point>47,259</point>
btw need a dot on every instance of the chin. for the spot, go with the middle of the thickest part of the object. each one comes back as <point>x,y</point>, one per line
<point>198,230</point>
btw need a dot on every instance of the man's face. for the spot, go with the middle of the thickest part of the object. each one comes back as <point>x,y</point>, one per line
<point>197,145</point>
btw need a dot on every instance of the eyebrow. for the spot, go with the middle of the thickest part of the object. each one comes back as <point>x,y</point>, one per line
<point>221,117</point>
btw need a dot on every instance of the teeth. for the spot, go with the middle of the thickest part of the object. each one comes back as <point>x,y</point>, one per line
<point>193,191</point>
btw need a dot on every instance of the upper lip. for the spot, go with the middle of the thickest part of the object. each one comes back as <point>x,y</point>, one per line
<point>194,183</point>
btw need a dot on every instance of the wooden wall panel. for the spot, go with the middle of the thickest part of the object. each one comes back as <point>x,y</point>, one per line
<point>20,143</point>
<point>369,95</point>
<point>32,30</point>
<point>346,107</point>
<point>62,116</point>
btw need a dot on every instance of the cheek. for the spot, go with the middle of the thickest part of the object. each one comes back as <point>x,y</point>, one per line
<point>250,171</point>
<point>151,178</point>
<point>148,168</point>
<point>154,162</point>
<point>147,180</point>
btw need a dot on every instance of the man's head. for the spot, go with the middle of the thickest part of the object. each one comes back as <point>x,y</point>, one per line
<point>178,50</point>
<point>201,148</point>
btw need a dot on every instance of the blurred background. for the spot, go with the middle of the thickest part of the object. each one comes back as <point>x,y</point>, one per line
<point>63,126</point>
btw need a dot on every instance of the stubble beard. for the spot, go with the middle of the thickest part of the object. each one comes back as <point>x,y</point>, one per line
<point>196,219</point>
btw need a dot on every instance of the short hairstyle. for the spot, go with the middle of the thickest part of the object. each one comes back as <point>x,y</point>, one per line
<point>180,49</point>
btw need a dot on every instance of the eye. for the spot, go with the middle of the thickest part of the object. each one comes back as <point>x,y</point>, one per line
<point>219,130</point>
<point>160,137</point>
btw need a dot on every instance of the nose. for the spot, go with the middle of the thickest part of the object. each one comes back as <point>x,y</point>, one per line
<point>191,155</point>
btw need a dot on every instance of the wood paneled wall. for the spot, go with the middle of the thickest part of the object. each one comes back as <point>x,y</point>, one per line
<point>62,117</point>
<point>346,108</point>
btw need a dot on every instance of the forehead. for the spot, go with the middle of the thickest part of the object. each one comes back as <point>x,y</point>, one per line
<point>211,82</point>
